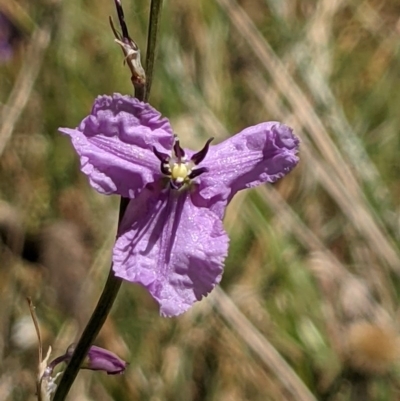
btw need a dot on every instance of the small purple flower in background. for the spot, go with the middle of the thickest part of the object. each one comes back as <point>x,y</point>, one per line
<point>171,239</point>
<point>96,359</point>
<point>9,34</point>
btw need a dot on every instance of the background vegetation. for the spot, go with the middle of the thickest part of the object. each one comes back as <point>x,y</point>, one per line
<point>309,298</point>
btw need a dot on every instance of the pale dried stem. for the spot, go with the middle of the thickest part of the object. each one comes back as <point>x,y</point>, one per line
<point>322,173</point>
<point>356,203</point>
<point>290,89</point>
<point>354,210</point>
<point>313,57</point>
<point>352,204</point>
<point>315,53</point>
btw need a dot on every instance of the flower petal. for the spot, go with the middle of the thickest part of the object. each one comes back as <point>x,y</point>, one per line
<point>263,153</point>
<point>115,144</point>
<point>171,247</point>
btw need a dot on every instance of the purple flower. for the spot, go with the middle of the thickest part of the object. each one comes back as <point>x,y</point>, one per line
<point>171,239</point>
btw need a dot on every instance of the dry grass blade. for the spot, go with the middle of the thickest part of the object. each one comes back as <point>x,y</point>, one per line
<point>352,205</point>
<point>293,224</point>
<point>288,87</point>
<point>337,166</point>
<point>261,346</point>
<point>315,53</point>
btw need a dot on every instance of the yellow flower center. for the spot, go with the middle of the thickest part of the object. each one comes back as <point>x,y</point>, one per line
<point>180,171</point>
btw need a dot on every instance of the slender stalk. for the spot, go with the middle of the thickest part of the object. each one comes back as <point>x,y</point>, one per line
<point>152,34</point>
<point>97,320</point>
<point>113,283</point>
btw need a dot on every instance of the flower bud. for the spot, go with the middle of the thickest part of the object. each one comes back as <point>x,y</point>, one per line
<point>99,358</point>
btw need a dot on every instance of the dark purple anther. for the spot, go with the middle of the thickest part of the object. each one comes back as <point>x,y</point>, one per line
<point>164,158</point>
<point>197,172</point>
<point>199,156</point>
<point>179,152</point>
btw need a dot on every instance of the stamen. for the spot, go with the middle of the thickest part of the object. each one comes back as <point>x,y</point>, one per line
<point>160,156</point>
<point>199,156</point>
<point>179,152</point>
<point>165,169</point>
<point>178,168</point>
<point>164,159</point>
<point>197,172</point>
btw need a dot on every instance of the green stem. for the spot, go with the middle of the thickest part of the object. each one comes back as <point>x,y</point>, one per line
<point>152,34</point>
<point>97,320</point>
<point>113,283</point>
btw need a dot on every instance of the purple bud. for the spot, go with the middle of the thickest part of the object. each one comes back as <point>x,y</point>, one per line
<point>101,359</point>
<point>97,359</point>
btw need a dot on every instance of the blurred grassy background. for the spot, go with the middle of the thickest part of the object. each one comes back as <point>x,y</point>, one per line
<point>314,261</point>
